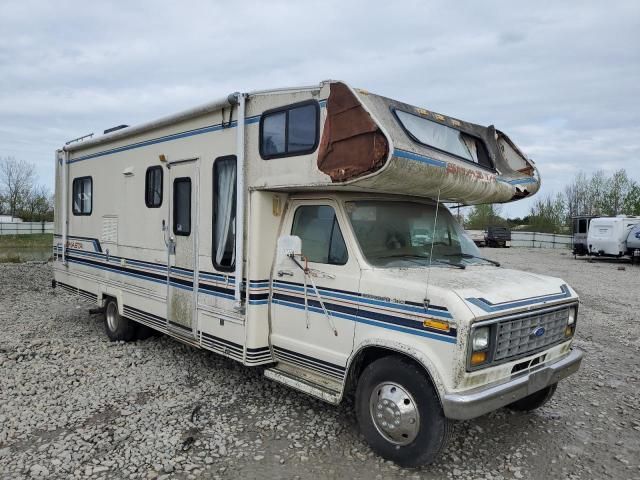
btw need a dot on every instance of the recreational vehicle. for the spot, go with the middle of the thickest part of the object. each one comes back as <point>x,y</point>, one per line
<point>633,244</point>
<point>608,235</point>
<point>302,231</point>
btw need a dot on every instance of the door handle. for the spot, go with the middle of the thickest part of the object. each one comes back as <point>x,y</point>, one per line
<point>283,273</point>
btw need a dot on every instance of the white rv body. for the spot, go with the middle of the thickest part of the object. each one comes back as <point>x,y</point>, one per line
<point>608,235</point>
<point>193,226</point>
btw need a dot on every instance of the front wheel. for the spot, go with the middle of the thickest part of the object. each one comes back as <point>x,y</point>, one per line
<point>399,412</point>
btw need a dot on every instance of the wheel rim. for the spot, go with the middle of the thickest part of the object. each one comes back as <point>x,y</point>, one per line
<point>394,413</point>
<point>112,313</point>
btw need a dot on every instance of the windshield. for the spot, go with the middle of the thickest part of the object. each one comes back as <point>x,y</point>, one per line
<point>399,234</point>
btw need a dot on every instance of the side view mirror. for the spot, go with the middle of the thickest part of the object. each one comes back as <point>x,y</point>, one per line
<point>287,245</point>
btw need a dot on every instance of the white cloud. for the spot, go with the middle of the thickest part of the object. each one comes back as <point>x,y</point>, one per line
<point>560,80</point>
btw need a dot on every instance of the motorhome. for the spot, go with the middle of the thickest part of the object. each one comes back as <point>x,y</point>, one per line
<point>302,231</point>
<point>608,235</point>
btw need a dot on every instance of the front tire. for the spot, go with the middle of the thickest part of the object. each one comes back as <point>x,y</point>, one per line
<point>535,400</point>
<point>117,327</point>
<point>399,412</point>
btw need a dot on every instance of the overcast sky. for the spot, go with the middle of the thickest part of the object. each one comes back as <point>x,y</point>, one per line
<point>561,78</point>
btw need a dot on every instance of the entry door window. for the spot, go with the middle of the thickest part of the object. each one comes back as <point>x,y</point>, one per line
<point>318,228</point>
<point>224,213</point>
<point>182,206</point>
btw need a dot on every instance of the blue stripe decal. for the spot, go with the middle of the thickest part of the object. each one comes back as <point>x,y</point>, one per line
<point>167,138</point>
<point>488,306</point>
<point>518,181</point>
<point>115,270</point>
<point>419,158</point>
<point>360,299</point>
<point>371,317</point>
<point>370,322</point>
<point>175,136</point>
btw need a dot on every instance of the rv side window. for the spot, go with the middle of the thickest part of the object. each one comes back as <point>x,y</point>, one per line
<point>322,241</point>
<point>224,213</point>
<point>82,196</point>
<point>153,187</point>
<point>182,206</point>
<point>288,131</point>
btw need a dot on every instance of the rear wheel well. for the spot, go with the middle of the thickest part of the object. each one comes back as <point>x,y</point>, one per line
<point>369,355</point>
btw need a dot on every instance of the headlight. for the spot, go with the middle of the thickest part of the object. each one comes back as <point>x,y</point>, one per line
<point>480,339</point>
<point>572,316</point>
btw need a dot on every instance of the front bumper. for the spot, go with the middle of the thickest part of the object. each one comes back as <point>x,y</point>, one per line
<point>478,401</point>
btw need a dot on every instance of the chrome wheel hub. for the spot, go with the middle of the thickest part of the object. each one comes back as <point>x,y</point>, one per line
<point>394,413</point>
<point>112,314</point>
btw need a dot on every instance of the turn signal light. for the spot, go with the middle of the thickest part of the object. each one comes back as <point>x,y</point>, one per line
<point>568,331</point>
<point>478,357</point>
<point>437,324</point>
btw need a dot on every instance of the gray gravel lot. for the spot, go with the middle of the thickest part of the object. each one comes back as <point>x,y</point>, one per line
<point>74,405</point>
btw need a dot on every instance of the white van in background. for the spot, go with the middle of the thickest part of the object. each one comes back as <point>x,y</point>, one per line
<point>608,235</point>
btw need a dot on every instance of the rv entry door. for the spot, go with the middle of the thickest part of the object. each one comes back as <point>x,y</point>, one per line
<point>182,258</point>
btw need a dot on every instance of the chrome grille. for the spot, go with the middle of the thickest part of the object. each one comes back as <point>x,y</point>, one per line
<point>515,338</point>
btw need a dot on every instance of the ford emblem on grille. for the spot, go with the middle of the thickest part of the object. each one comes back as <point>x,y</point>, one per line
<point>538,332</point>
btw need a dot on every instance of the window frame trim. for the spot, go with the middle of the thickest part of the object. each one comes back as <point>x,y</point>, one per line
<point>286,109</point>
<point>412,137</point>
<point>173,213</point>
<point>221,268</point>
<point>146,186</point>
<point>73,209</point>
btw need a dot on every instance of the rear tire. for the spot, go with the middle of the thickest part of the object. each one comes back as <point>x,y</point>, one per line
<point>399,412</point>
<point>117,327</point>
<point>535,400</point>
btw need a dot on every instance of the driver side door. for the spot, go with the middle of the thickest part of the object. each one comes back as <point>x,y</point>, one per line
<point>303,333</point>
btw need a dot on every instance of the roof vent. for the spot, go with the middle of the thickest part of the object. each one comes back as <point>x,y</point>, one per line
<point>113,129</point>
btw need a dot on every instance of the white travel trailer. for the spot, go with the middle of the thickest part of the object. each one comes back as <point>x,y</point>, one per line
<point>302,230</point>
<point>608,235</point>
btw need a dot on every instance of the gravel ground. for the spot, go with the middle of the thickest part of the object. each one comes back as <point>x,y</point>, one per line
<point>74,405</point>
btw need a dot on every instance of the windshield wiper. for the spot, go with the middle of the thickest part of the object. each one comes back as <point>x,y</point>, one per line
<point>469,255</point>
<point>426,257</point>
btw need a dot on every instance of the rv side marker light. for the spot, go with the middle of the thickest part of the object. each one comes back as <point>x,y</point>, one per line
<point>437,324</point>
<point>162,157</point>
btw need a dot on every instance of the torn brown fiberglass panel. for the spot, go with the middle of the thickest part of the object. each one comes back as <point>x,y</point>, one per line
<point>352,144</point>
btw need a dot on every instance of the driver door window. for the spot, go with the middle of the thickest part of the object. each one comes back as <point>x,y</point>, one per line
<point>318,228</point>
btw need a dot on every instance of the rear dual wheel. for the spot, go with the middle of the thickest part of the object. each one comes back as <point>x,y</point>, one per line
<point>399,412</point>
<point>119,328</point>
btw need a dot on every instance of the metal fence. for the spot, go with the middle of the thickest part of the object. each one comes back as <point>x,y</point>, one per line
<point>25,228</point>
<point>540,240</point>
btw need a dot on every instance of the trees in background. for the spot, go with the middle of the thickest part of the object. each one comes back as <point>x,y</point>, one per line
<point>598,194</point>
<point>19,194</point>
<point>481,216</point>
<point>548,215</point>
<point>601,194</point>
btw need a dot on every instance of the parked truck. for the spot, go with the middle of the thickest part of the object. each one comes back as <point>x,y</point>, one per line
<point>497,236</point>
<point>302,231</point>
